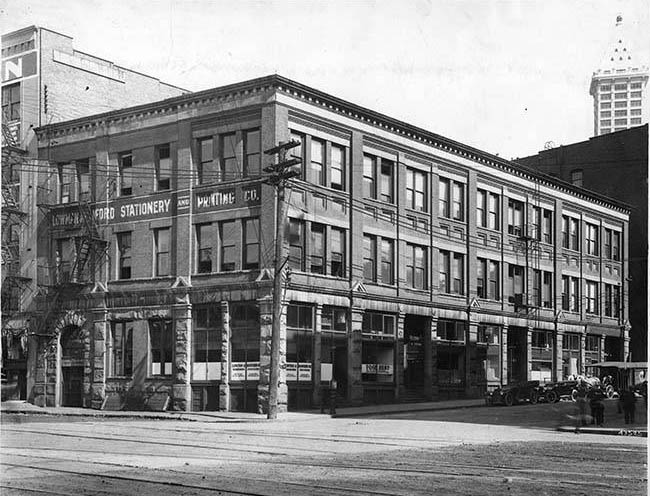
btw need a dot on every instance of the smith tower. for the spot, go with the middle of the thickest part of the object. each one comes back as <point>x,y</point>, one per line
<point>618,87</point>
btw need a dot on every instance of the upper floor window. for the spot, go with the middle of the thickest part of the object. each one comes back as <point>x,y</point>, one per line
<point>300,316</point>
<point>387,261</point>
<point>252,151</point>
<point>337,250</point>
<point>416,192</point>
<point>452,266</point>
<point>542,288</point>
<point>125,162</point>
<point>515,217</point>
<point>298,151</point>
<point>204,244</point>
<point>67,191</point>
<point>296,244</point>
<point>378,323</point>
<point>570,293</point>
<point>11,102</point>
<point>205,167</point>
<point>228,166</point>
<point>515,281</point>
<point>251,256</point>
<point>570,232</point>
<point>612,244</point>
<point>369,257</point>
<point>162,251</point>
<point>591,297</point>
<point>124,255</point>
<point>161,344</point>
<point>337,169</point>
<point>451,199</point>
<point>228,241</point>
<point>83,179</point>
<point>542,224</point>
<point>317,173</point>
<point>378,178</point>
<point>317,249</point>
<point>487,279</point>
<point>451,330</point>
<point>163,168</point>
<point>591,236</point>
<point>416,266</point>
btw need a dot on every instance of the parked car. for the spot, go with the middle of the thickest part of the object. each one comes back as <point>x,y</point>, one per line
<point>553,391</point>
<point>515,393</point>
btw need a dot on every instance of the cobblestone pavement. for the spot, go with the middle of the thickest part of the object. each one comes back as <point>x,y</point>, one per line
<point>314,454</point>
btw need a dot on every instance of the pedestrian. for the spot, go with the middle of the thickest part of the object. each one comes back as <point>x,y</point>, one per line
<point>581,398</point>
<point>597,407</point>
<point>627,401</point>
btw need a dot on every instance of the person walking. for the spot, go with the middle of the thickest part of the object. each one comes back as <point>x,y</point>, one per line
<point>597,407</point>
<point>627,401</point>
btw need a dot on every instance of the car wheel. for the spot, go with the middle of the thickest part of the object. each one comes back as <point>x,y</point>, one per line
<point>609,391</point>
<point>508,399</point>
<point>552,397</point>
<point>533,397</point>
<point>574,395</point>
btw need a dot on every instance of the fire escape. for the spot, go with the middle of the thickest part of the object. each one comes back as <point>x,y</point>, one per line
<point>74,261</point>
<point>15,283</point>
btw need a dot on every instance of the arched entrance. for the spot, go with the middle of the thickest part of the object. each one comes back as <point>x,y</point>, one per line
<point>72,366</point>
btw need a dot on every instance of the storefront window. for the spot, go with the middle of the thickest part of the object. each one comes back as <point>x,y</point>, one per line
<point>206,342</point>
<point>592,349</point>
<point>450,353</point>
<point>245,342</point>
<point>378,348</point>
<point>489,352</point>
<point>571,365</point>
<point>542,356</point>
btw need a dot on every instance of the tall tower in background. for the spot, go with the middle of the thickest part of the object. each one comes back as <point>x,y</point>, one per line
<point>619,87</point>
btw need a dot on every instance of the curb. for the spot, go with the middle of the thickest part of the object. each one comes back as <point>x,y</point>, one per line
<point>424,408</point>
<point>622,431</point>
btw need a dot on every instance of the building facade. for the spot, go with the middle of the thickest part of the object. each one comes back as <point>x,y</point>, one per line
<point>44,80</point>
<point>619,87</point>
<point>615,165</point>
<point>414,267</point>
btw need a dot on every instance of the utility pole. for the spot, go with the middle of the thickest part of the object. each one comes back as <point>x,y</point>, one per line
<point>280,172</point>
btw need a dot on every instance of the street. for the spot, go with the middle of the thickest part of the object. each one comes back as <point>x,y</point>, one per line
<point>466,451</point>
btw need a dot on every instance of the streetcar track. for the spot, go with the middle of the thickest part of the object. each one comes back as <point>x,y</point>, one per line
<point>491,469</point>
<point>38,491</point>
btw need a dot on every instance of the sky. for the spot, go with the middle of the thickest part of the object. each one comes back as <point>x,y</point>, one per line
<point>503,76</point>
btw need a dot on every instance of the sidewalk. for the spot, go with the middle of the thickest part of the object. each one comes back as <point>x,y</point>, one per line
<point>22,407</point>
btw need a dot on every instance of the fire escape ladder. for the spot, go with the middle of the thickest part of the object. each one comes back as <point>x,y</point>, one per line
<point>90,246</point>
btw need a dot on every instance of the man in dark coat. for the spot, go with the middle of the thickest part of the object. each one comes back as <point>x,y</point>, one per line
<point>627,401</point>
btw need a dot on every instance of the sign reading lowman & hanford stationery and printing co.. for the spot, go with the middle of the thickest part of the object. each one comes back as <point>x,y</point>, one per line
<point>159,206</point>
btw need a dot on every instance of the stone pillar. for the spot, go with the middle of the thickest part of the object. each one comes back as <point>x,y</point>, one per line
<point>626,343</point>
<point>529,352</point>
<point>315,373</point>
<point>471,362</point>
<point>355,385</point>
<point>98,336</point>
<point>427,342</point>
<point>224,385</point>
<point>504,355</point>
<point>601,349</point>
<point>583,356</point>
<point>399,358</point>
<point>557,358</point>
<point>181,389</point>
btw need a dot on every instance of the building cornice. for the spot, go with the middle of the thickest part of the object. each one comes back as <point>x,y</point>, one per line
<point>331,103</point>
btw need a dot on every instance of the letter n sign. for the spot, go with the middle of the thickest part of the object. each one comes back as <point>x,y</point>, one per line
<point>19,67</point>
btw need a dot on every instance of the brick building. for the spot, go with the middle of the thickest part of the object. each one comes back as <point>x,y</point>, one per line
<point>615,165</point>
<point>419,267</point>
<point>44,80</point>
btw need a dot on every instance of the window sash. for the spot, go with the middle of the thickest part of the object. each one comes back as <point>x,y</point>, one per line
<point>121,352</point>
<point>386,182</point>
<point>228,237</point>
<point>387,255</point>
<point>161,346</point>
<point>251,244</point>
<point>317,249</point>
<point>162,240</point>
<point>252,158</point>
<point>369,176</point>
<point>317,161</point>
<point>124,255</point>
<point>369,258</point>
<point>337,168</point>
<point>296,243</point>
<point>443,198</point>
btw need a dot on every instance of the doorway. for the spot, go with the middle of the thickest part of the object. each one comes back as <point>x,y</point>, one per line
<point>517,350</point>
<point>72,386</point>
<point>414,329</point>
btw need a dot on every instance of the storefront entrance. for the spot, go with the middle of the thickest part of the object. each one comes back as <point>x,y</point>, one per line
<point>517,349</point>
<point>72,386</point>
<point>414,332</point>
<point>72,366</point>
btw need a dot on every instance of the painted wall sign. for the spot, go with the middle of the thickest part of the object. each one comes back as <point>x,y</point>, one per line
<point>19,67</point>
<point>219,199</point>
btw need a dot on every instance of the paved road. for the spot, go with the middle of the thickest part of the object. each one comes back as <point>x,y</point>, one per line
<point>313,454</point>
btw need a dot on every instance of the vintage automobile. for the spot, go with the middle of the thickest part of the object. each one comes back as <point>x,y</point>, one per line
<point>618,376</point>
<point>514,393</point>
<point>553,391</point>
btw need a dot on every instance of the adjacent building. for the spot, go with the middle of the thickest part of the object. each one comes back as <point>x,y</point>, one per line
<point>44,80</point>
<point>415,267</point>
<point>615,165</point>
<point>619,86</point>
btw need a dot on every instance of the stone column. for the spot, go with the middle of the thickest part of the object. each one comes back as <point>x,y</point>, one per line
<point>355,385</point>
<point>181,389</point>
<point>557,358</point>
<point>427,342</point>
<point>601,348</point>
<point>626,343</point>
<point>529,352</point>
<point>471,364</point>
<point>504,354</point>
<point>224,385</point>
<point>399,358</point>
<point>583,357</point>
<point>315,373</point>
<point>98,336</point>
